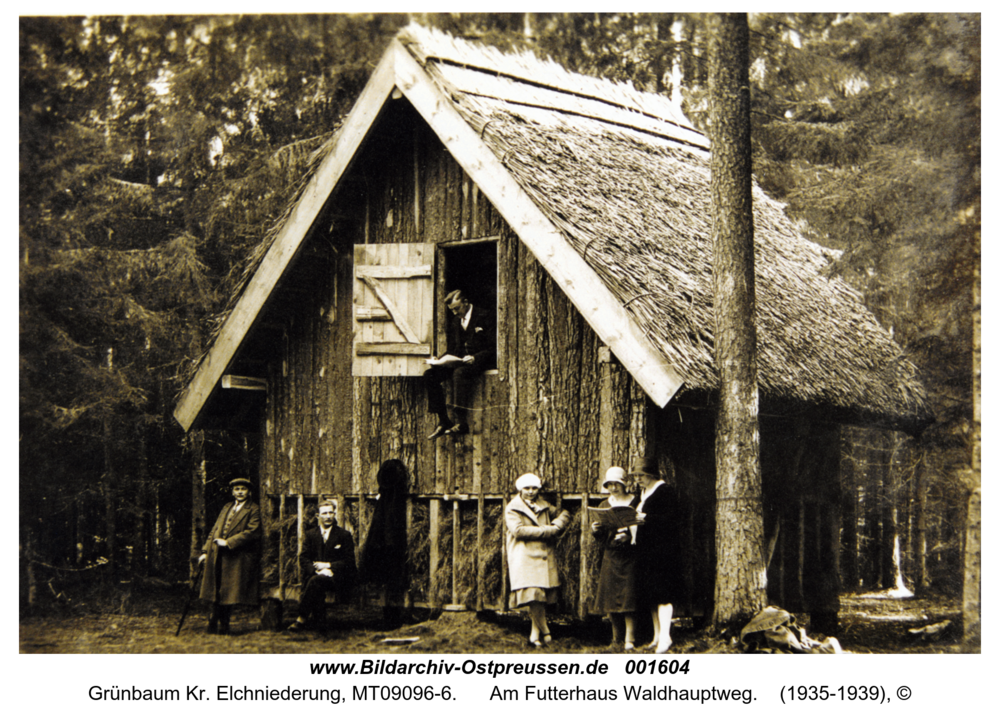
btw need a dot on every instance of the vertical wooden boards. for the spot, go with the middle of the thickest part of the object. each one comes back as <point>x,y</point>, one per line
<point>565,369</point>
<point>508,318</point>
<point>529,430</point>
<point>393,309</point>
<point>551,407</point>
<point>588,410</point>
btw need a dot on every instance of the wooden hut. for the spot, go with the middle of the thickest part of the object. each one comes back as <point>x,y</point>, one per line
<point>579,210</point>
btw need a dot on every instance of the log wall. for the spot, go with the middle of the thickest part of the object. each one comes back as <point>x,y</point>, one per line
<point>555,405</point>
<point>558,405</point>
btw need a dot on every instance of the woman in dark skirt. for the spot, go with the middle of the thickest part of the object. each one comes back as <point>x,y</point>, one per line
<point>657,561</point>
<point>616,585</point>
<point>383,557</point>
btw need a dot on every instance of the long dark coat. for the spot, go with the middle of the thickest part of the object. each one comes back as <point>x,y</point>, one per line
<point>657,570</point>
<point>232,573</point>
<point>616,585</point>
<point>383,558</point>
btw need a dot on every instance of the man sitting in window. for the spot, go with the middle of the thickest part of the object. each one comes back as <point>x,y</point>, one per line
<point>327,563</point>
<point>474,332</point>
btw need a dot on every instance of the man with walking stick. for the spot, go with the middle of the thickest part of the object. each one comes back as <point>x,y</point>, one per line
<point>231,558</point>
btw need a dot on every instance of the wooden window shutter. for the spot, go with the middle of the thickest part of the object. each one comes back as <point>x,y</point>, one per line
<point>393,309</point>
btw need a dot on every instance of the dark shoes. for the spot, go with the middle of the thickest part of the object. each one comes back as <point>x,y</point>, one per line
<point>221,629</point>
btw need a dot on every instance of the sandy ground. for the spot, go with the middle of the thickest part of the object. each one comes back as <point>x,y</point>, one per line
<point>146,623</point>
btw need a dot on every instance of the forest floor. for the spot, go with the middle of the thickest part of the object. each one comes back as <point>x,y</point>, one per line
<point>145,622</point>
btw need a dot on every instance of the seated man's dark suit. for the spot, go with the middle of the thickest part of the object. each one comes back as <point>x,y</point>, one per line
<point>338,550</point>
<point>478,340</point>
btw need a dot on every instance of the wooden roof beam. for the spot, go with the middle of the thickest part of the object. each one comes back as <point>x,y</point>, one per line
<point>283,249</point>
<point>578,280</point>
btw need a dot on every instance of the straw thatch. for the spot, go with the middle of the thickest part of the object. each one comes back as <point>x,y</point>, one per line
<point>626,179</point>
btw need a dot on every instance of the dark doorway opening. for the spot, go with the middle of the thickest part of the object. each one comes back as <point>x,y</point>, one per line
<point>472,268</point>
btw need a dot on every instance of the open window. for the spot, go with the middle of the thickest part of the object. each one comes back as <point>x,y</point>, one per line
<point>470,266</point>
<point>400,318</point>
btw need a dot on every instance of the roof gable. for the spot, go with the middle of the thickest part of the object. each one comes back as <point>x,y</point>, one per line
<point>608,187</point>
<point>398,70</point>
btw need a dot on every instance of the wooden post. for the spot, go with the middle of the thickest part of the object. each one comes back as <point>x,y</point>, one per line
<point>585,540</point>
<point>456,527</point>
<point>408,598</point>
<point>435,538</point>
<point>282,576</point>
<point>480,561</point>
<point>300,530</point>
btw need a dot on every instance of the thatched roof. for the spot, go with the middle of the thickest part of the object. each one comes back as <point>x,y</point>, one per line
<point>623,179</point>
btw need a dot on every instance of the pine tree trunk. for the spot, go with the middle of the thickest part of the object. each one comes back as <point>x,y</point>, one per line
<point>109,489</point>
<point>873,512</point>
<point>739,526</point>
<point>198,482</point>
<point>920,539</point>
<point>887,552</point>
<point>972,586</point>
<point>849,511</point>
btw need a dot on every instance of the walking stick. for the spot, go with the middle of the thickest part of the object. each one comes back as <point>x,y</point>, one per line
<point>191,597</point>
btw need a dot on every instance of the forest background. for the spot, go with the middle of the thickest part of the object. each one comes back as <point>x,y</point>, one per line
<point>155,154</point>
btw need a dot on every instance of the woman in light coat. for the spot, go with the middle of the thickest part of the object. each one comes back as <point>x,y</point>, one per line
<point>531,537</point>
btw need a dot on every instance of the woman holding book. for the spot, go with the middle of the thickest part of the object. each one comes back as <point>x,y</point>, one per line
<point>616,585</point>
<point>532,531</point>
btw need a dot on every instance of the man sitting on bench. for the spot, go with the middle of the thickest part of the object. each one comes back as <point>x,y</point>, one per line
<point>327,563</point>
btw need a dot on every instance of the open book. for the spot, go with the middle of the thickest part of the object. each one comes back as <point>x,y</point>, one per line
<point>613,517</point>
<point>445,361</point>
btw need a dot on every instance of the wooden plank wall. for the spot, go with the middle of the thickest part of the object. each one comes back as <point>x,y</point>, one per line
<point>552,407</point>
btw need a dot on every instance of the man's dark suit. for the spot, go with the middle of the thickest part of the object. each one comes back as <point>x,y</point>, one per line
<point>478,339</point>
<point>338,550</point>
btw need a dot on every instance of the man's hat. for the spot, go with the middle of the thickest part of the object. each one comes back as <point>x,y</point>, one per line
<point>241,481</point>
<point>614,474</point>
<point>528,480</point>
<point>647,466</point>
<point>454,298</point>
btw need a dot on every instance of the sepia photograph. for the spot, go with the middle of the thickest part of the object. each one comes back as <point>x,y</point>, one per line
<point>641,334</point>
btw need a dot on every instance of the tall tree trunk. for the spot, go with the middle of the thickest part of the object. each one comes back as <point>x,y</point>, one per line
<point>920,529</point>
<point>873,512</point>
<point>141,542</point>
<point>849,512</point>
<point>887,551</point>
<point>972,585</point>
<point>740,581</point>
<point>198,482</point>
<point>109,488</point>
